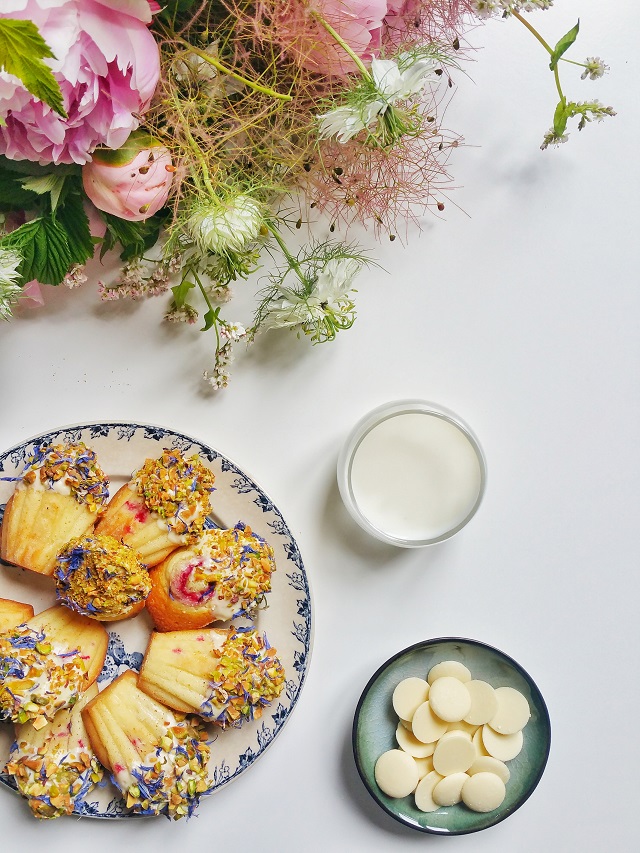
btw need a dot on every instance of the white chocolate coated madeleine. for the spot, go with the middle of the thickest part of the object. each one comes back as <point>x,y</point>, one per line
<point>59,496</point>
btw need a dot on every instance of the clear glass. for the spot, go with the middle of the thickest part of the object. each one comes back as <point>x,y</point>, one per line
<point>364,428</point>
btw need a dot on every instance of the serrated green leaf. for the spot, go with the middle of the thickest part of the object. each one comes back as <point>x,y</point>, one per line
<point>22,50</point>
<point>72,217</point>
<point>181,291</point>
<point>42,184</point>
<point>209,319</point>
<point>135,238</point>
<point>563,45</point>
<point>44,247</point>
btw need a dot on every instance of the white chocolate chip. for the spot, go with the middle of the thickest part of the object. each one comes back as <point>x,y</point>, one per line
<point>410,743</point>
<point>408,695</point>
<point>512,713</point>
<point>424,792</point>
<point>503,747</point>
<point>454,753</point>
<point>427,727</point>
<point>462,726</point>
<point>449,699</point>
<point>484,702</point>
<point>452,668</point>
<point>489,764</point>
<point>396,773</point>
<point>425,765</point>
<point>483,792</point>
<point>448,791</point>
<point>478,743</point>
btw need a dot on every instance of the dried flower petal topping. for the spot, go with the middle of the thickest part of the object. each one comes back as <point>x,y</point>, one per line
<point>177,489</point>
<point>53,779</point>
<point>100,577</point>
<point>232,566</point>
<point>70,469</point>
<point>247,677</point>
<point>173,777</point>
<point>36,677</point>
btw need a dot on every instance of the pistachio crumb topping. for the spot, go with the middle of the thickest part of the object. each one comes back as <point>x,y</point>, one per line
<point>70,468</point>
<point>53,779</point>
<point>37,678</point>
<point>173,777</point>
<point>246,678</point>
<point>233,566</point>
<point>177,488</point>
<point>100,577</point>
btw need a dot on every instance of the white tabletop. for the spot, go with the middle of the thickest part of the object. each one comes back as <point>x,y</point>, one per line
<point>518,309</point>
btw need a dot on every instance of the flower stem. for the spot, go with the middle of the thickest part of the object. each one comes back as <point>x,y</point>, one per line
<point>339,40</point>
<point>209,306</point>
<point>546,46</point>
<point>293,262</point>
<point>231,73</point>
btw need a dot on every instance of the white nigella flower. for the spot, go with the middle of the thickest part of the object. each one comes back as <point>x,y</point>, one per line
<point>389,83</point>
<point>223,226</point>
<point>325,309</point>
<point>10,290</point>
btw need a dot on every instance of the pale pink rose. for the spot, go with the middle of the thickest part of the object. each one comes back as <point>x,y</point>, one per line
<point>358,22</point>
<point>133,183</point>
<point>107,65</point>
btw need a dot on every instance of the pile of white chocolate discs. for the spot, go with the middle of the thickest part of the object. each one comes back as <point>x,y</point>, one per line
<point>454,735</point>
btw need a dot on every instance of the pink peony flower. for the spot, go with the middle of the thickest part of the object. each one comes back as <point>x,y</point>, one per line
<point>107,64</point>
<point>358,22</point>
<point>132,183</point>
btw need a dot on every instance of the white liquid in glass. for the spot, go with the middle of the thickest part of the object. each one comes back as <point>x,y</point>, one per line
<point>415,476</point>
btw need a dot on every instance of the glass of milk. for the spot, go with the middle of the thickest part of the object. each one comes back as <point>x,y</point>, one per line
<point>412,473</point>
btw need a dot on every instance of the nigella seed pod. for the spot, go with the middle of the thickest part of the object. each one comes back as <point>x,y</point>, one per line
<point>131,182</point>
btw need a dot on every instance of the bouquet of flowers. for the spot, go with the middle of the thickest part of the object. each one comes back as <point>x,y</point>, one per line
<point>192,136</point>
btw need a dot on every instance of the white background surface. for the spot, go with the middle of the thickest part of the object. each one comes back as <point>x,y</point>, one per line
<point>520,312</point>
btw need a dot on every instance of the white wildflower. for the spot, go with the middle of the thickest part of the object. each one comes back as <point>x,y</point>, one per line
<point>347,121</point>
<point>594,68</point>
<point>223,226</point>
<point>233,331</point>
<point>10,290</point>
<point>394,84</point>
<point>552,138</point>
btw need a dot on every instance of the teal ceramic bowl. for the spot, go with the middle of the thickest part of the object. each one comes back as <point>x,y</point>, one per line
<point>375,723</point>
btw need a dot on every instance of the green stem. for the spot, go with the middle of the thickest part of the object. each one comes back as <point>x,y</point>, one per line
<point>209,305</point>
<point>195,148</point>
<point>231,73</point>
<point>546,46</point>
<point>338,38</point>
<point>293,262</point>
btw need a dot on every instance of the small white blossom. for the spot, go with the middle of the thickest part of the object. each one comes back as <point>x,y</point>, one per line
<point>595,68</point>
<point>222,226</point>
<point>10,290</point>
<point>75,277</point>
<point>233,331</point>
<point>552,138</point>
<point>396,85</point>
<point>347,121</point>
<point>490,8</point>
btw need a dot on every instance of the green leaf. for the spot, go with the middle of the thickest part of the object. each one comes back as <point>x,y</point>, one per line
<point>42,184</point>
<point>45,250</point>
<point>128,151</point>
<point>72,217</point>
<point>560,118</point>
<point>563,45</point>
<point>210,318</point>
<point>22,50</point>
<point>134,237</point>
<point>181,291</point>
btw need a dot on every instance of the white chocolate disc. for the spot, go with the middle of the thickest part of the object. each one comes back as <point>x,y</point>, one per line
<point>425,765</point>
<point>408,695</point>
<point>478,743</point>
<point>449,699</point>
<point>483,792</point>
<point>406,724</point>
<point>502,747</point>
<point>513,712</point>
<point>448,791</point>
<point>484,702</point>
<point>410,743</point>
<point>396,773</point>
<point>426,726</point>
<point>424,792</point>
<point>489,764</point>
<point>462,726</point>
<point>454,753</point>
<point>452,668</point>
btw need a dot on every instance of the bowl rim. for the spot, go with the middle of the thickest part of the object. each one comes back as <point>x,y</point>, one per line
<point>542,707</point>
<point>370,421</point>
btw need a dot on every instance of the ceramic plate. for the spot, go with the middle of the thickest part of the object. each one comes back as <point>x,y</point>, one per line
<point>121,448</point>
<point>375,724</point>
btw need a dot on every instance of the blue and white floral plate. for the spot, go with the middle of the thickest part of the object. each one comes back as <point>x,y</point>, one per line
<point>121,448</point>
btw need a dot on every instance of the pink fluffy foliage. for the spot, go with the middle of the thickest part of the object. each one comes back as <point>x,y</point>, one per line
<point>107,65</point>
